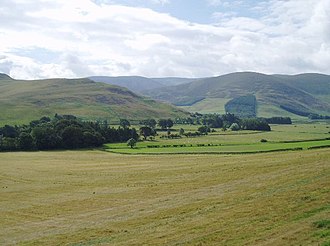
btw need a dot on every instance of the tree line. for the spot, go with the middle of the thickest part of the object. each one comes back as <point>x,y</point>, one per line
<point>230,121</point>
<point>69,132</point>
<point>61,132</point>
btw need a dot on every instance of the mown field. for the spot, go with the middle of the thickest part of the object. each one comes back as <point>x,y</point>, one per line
<point>282,137</point>
<point>100,198</point>
<point>202,197</point>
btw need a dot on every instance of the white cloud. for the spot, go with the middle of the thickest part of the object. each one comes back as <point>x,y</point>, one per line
<point>214,2</point>
<point>146,41</point>
<point>82,38</point>
<point>162,2</point>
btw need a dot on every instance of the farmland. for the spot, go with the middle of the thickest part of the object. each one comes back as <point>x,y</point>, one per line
<point>99,198</point>
<point>282,137</point>
<point>206,196</point>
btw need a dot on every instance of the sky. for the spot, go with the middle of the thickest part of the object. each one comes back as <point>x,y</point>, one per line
<point>162,38</point>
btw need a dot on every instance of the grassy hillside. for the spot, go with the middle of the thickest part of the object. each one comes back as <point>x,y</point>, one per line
<point>208,106</point>
<point>22,101</point>
<point>313,83</point>
<point>133,83</point>
<point>4,77</point>
<point>169,81</point>
<point>99,198</point>
<point>277,91</point>
<point>138,84</point>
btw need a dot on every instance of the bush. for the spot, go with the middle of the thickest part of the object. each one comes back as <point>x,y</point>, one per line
<point>263,140</point>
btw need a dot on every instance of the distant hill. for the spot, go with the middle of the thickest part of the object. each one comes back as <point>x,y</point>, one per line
<point>5,77</point>
<point>138,83</point>
<point>276,95</point>
<point>133,83</point>
<point>25,100</point>
<point>313,83</point>
<point>170,81</point>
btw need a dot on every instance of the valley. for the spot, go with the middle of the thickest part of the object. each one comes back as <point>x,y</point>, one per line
<point>190,183</point>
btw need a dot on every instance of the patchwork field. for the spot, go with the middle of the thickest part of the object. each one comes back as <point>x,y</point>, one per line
<point>282,137</point>
<point>101,198</point>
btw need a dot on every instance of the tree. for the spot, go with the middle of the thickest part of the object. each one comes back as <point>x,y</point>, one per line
<point>149,122</point>
<point>212,120</point>
<point>92,139</point>
<point>124,123</point>
<point>72,137</point>
<point>25,141</point>
<point>169,123</point>
<point>8,144</point>
<point>146,131</point>
<point>203,129</point>
<point>131,142</point>
<point>255,124</point>
<point>9,131</point>
<point>165,123</point>
<point>45,138</point>
<point>162,123</point>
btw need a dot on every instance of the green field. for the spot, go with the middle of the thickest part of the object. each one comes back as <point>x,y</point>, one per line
<point>208,106</point>
<point>100,198</point>
<point>282,137</point>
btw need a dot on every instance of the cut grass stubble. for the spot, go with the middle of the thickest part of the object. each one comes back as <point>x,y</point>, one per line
<point>94,197</point>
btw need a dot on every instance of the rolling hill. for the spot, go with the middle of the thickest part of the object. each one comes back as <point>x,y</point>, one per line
<point>138,84</point>
<point>25,100</point>
<point>276,95</point>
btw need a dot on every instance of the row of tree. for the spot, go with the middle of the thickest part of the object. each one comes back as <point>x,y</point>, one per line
<point>226,120</point>
<point>231,121</point>
<point>68,132</point>
<point>164,124</point>
<point>62,132</point>
<point>318,117</point>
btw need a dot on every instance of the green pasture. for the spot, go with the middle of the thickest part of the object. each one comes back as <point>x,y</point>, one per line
<point>282,137</point>
<point>222,149</point>
<point>208,106</point>
<point>100,198</point>
<point>270,110</point>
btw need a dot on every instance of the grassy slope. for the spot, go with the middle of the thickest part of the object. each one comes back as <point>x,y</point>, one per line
<point>97,198</point>
<point>269,110</point>
<point>138,83</point>
<point>133,83</point>
<point>217,105</point>
<point>22,101</point>
<point>208,106</point>
<point>272,90</point>
<point>313,83</point>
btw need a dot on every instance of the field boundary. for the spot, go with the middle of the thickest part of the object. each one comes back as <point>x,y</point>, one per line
<point>211,153</point>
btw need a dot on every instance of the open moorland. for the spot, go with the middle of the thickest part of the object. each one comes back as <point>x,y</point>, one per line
<point>100,198</point>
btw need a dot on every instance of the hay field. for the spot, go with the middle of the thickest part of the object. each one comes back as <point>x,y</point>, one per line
<point>100,198</point>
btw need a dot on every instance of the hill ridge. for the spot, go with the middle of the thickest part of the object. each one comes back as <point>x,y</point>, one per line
<point>4,76</point>
<point>24,100</point>
<point>291,93</point>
